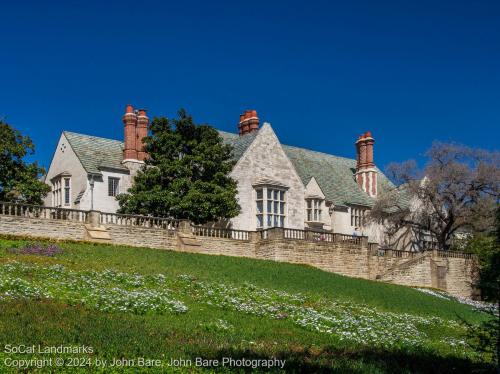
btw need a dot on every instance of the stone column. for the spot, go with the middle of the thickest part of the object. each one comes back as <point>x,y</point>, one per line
<point>254,236</point>
<point>94,218</point>
<point>276,233</point>
<point>185,227</point>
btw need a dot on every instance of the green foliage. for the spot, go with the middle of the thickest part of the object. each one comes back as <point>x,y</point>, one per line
<point>266,274</point>
<point>487,249</point>
<point>186,176</point>
<point>208,330</point>
<point>19,180</point>
<point>485,337</point>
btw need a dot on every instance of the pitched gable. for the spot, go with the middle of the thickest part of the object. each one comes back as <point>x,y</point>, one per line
<point>95,153</point>
<point>334,175</point>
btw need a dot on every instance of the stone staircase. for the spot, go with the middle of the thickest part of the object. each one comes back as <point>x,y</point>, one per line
<point>404,265</point>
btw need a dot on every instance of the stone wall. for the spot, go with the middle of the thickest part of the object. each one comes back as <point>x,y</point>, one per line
<point>42,228</point>
<point>449,271</point>
<point>142,237</point>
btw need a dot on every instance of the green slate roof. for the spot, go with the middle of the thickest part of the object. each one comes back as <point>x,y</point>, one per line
<point>96,153</point>
<point>335,175</point>
<point>239,143</point>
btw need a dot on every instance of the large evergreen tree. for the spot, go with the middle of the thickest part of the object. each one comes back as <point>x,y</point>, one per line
<point>19,180</point>
<point>186,175</point>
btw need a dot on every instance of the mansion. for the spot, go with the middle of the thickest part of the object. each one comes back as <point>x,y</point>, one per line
<point>278,185</point>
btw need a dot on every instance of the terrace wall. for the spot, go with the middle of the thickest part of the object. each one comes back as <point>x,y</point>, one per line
<point>343,254</point>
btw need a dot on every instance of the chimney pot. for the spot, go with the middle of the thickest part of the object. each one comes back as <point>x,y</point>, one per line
<point>130,123</point>
<point>249,122</point>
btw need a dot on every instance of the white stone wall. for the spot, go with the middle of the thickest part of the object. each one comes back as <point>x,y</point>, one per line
<point>342,225</point>
<point>341,222</point>
<point>102,201</point>
<point>265,160</point>
<point>66,161</point>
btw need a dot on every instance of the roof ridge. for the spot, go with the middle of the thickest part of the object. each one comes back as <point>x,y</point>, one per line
<point>91,136</point>
<point>296,147</point>
<point>320,153</point>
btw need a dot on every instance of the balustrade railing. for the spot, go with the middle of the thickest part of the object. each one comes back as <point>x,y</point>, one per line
<point>345,238</point>
<point>215,232</point>
<point>454,254</point>
<point>294,234</point>
<point>264,234</point>
<point>137,220</point>
<point>43,212</point>
<point>384,252</point>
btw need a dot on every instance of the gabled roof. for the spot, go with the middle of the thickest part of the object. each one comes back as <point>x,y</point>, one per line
<point>335,175</point>
<point>96,153</point>
<point>239,143</point>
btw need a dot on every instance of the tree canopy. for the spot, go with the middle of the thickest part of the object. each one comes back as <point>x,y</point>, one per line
<point>457,191</point>
<point>19,180</point>
<point>186,174</point>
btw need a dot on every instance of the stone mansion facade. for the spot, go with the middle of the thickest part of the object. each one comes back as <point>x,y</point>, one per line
<point>278,185</point>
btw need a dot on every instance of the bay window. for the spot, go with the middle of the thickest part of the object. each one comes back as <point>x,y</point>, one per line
<point>61,191</point>
<point>270,203</point>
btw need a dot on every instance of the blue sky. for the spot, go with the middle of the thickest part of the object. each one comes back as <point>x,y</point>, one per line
<point>321,72</point>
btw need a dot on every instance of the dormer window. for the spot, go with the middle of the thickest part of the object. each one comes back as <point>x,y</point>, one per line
<point>314,210</point>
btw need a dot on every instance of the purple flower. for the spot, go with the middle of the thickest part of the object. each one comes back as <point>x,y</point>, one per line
<point>37,249</point>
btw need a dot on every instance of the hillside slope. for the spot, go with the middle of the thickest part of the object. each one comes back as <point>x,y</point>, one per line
<point>139,302</point>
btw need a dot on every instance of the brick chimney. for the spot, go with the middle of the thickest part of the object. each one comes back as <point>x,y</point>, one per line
<point>366,173</point>
<point>249,122</point>
<point>130,121</point>
<point>142,132</point>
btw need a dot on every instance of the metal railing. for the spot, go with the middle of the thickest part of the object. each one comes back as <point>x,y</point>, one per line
<point>215,232</point>
<point>137,220</point>
<point>43,212</point>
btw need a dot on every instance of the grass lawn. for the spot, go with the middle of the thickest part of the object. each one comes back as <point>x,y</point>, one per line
<point>129,303</point>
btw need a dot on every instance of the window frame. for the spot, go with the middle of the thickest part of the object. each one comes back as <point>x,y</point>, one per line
<point>270,206</point>
<point>67,191</point>
<point>358,216</point>
<point>113,189</point>
<point>61,191</point>
<point>314,209</point>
